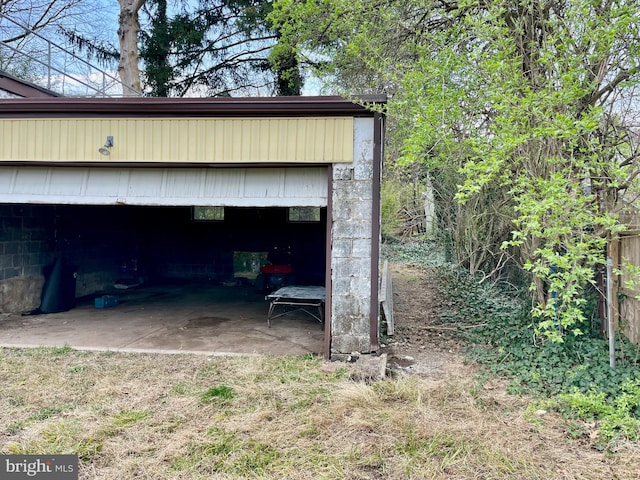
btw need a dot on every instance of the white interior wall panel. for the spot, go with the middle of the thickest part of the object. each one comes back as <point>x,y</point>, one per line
<point>239,187</point>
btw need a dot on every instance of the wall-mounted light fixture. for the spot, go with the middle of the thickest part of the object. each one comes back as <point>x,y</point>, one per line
<point>106,149</point>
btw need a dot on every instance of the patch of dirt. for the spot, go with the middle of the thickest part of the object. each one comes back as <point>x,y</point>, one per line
<point>421,344</point>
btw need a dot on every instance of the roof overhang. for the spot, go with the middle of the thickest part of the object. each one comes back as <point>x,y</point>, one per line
<point>191,107</point>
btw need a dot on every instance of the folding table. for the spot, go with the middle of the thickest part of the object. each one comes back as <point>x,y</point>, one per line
<point>297,298</point>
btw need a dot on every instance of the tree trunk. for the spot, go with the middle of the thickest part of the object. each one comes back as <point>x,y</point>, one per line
<point>128,35</point>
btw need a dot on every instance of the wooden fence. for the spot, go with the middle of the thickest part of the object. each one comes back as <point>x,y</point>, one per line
<point>625,250</point>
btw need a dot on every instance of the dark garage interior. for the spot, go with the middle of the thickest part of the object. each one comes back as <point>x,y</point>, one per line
<point>160,244</point>
<point>169,269</point>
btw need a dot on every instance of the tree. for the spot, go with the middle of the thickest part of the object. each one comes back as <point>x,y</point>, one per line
<point>38,15</point>
<point>219,47</point>
<point>25,28</point>
<point>76,21</point>
<point>128,28</point>
<point>284,62</point>
<point>156,49</point>
<point>521,111</point>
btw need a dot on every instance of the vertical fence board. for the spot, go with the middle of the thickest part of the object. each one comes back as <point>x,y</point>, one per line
<point>626,250</point>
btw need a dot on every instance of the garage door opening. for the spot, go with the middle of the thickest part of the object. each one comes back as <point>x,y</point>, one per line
<point>183,282</point>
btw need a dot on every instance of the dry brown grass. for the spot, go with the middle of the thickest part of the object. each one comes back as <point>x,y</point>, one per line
<point>192,417</point>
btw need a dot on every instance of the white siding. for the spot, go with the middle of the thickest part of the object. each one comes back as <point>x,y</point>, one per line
<point>242,187</point>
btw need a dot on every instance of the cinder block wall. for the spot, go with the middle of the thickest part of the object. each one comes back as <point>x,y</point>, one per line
<point>351,237</point>
<point>33,235</point>
<point>25,247</point>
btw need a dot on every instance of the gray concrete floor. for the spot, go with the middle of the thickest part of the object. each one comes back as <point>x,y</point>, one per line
<point>172,319</point>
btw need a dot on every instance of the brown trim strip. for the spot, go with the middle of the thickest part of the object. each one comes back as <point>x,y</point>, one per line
<point>191,107</point>
<point>327,273</point>
<point>374,314</point>
<point>155,164</point>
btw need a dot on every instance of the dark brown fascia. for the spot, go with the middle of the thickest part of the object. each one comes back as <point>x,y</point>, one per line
<point>189,107</point>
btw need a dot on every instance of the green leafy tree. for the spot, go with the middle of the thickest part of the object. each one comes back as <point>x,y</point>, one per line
<point>521,111</point>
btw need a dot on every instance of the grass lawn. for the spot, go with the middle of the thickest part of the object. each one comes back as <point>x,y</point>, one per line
<point>133,416</point>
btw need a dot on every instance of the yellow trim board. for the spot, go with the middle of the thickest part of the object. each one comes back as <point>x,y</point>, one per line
<point>178,140</point>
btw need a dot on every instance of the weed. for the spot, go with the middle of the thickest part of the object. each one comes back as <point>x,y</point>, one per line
<point>15,427</point>
<point>422,252</point>
<point>128,417</point>
<point>77,369</point>
<point>220,395</point>
<point>212,454</point>
<point>255,459</point>
<point>135,416</point>
<point>46,412</point>
<point>401,390</point>
<point>63,437</point>
<point>49,352</point>
<point>182,388</point>
<point>443,450</point>
<point>614,420</point>
<point>57,351</point>
<point>42,414</point>
<point>307,398</point>
<point>537,408</point>
<point>15,402</point>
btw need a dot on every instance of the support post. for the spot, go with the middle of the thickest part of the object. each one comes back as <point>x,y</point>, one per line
<point>610,314</point>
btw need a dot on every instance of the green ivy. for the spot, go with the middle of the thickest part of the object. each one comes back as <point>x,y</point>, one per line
<point>420,252</point>
<point>572,377</point>
<point>615,420</point>
<point>574,374</point>
<point>505,341</point>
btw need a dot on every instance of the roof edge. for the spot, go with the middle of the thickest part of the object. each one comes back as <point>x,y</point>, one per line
<point>216,106</point>
<point>23,88</point>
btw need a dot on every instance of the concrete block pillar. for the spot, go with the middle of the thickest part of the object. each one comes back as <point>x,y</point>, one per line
<point>351,245</point>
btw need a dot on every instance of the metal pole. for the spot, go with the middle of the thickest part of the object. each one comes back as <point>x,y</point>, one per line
<point>612,337</point>
<point>49,66</point>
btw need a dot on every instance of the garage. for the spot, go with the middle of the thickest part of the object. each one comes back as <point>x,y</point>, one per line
<point>136,194</point>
